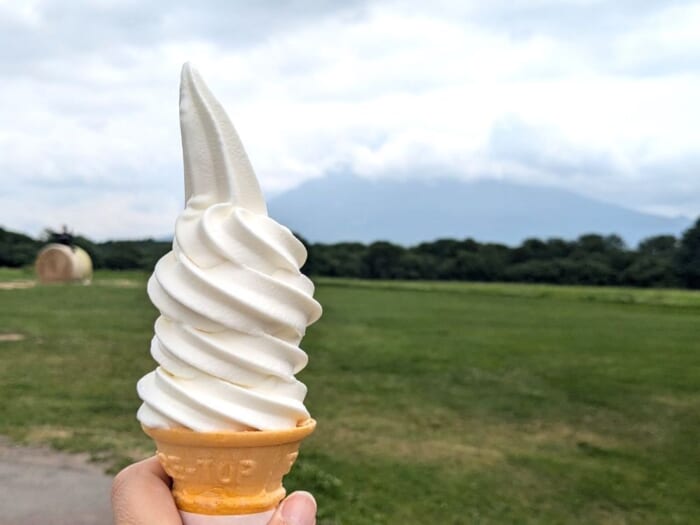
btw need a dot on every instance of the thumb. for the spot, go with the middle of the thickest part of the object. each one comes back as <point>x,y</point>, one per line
<point>299,508</point>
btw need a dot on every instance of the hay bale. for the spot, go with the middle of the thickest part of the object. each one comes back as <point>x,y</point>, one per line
<point>60,263</point>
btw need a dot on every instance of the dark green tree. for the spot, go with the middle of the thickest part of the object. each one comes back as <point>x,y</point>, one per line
<point>16,249</point>
<point>653,263</point>
<point>687,261</point>
<point>382,260</point>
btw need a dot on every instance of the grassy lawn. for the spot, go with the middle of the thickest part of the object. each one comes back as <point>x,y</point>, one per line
<point>453,403</point>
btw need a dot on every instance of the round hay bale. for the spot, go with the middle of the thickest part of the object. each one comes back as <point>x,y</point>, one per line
<point>58,263</point>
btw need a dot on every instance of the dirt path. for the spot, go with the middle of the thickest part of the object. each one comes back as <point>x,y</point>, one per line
<point>14,285</point>
<point>39,486</point>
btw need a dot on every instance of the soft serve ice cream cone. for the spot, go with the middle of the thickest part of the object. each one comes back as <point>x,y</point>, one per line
<point>223,406</point>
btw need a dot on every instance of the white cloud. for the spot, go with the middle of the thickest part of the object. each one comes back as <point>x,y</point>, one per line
<point>594,97</point>
<point>123,215</point>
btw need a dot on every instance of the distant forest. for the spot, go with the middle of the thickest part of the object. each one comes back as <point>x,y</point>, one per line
<point>661,261</point>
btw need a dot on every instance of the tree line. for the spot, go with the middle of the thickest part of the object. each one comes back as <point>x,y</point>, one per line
<point>592,259</point>
<point>660,261</point>
<point>18,250</point>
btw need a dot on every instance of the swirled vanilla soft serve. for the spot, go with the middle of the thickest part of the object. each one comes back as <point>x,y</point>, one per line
<point>233,304</point>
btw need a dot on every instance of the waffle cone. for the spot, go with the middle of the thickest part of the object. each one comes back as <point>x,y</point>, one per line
<point>228,472</point>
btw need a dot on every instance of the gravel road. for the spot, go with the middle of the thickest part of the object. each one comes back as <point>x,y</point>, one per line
<point>39,486</point>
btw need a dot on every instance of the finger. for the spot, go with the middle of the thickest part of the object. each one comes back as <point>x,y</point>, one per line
<point>141,496</point>
<point>298,509</point>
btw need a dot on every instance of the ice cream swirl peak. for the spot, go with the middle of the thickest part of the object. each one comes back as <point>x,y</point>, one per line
<point>234,305</point>
<point>217,168</point>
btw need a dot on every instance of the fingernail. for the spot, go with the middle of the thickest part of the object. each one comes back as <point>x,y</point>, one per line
<point>299,509</point>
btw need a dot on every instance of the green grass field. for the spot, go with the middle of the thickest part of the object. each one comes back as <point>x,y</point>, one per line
<point>437,402</point>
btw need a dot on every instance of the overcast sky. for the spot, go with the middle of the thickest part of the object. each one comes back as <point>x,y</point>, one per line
<point>601,98</point>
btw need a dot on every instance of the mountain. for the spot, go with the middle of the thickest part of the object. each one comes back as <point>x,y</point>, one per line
<point>347,208</point>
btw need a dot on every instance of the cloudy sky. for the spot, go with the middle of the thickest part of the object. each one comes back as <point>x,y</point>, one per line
<point>597,97</point>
